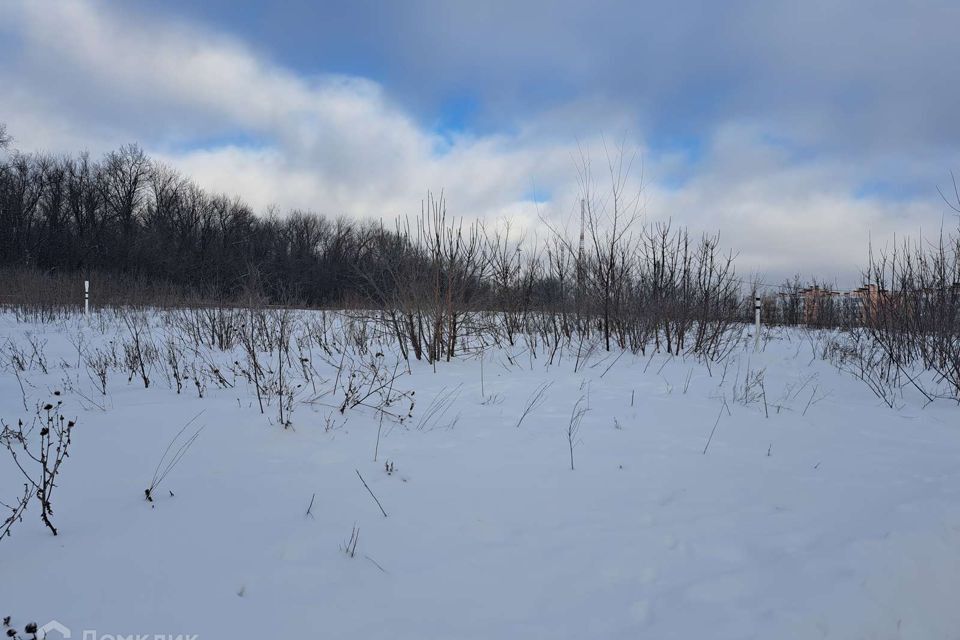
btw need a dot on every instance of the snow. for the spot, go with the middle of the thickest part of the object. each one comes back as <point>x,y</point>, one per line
<point>835,518</point>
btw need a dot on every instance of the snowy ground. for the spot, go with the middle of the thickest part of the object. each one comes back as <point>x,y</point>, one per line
<point>843,522</point>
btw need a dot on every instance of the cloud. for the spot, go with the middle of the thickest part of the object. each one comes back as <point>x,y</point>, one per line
<point>786,215</point>
<point>854,75</point>
<point>84,74</point>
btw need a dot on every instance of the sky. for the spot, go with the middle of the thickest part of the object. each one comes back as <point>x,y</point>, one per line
<point>800,132</point>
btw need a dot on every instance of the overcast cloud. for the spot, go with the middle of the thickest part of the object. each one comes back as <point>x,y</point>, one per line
<point>797,132</point>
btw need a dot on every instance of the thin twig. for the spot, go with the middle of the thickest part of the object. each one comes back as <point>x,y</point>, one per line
<point>715,426</point>
<point>371,493</point>
<point>536,399</point>
<point>377,564</point>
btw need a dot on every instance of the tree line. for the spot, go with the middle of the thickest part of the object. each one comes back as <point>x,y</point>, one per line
<point>129,217</point>
<point>125,214</point>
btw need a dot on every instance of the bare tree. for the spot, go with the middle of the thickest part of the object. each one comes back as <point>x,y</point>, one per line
<point>609,221</point>
<point>126,173</point>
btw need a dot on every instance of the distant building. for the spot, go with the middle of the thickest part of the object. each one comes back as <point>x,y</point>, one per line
<point>823,306</point>
<point>827,307</point>
<point>866,301</point>
<point>818,304</point>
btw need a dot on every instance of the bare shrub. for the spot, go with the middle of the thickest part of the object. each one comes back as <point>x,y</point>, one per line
<point>912,311</point>
<point>40,465</point>
<point>98,365</point>
<point>140,354</point>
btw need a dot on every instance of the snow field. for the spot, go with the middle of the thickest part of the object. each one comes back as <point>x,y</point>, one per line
<point>833,517</point>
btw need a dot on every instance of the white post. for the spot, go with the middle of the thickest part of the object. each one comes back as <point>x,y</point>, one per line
<point>756,332</point>
<point>86,297</point>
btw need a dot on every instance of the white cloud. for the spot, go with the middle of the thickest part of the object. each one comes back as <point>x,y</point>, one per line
<point>785,215</point>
